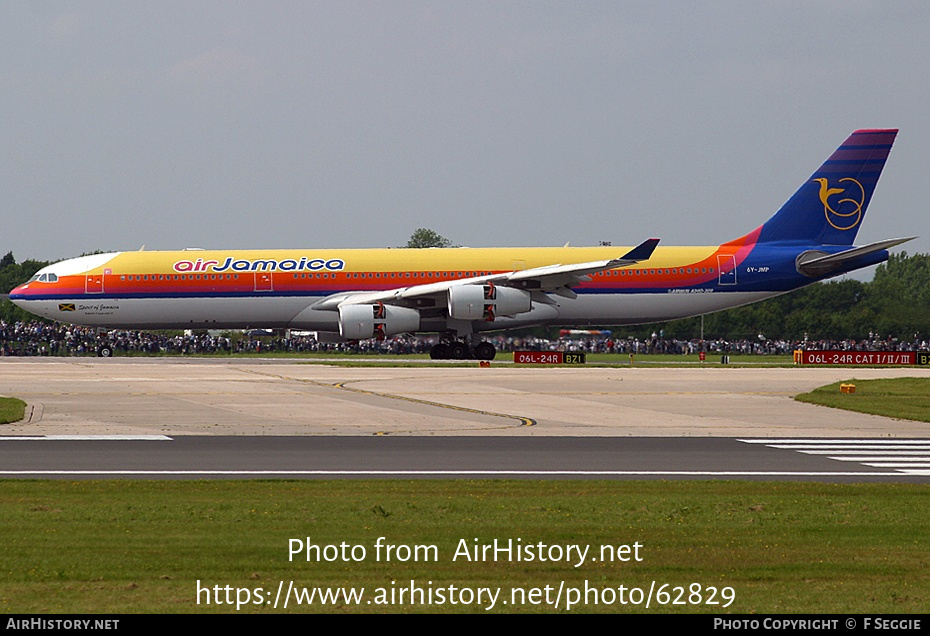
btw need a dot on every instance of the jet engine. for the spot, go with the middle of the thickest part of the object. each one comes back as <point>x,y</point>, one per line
<point>360,322</point>
<point>485,302</point>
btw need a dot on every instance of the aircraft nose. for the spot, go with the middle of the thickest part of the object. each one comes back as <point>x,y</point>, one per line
<point>17,293</point>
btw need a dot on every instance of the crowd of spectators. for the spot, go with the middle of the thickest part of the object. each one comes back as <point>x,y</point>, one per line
<point>673,346</point>
<point>35,338</point>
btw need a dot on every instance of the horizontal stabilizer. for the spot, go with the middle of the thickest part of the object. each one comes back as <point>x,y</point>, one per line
<point>815,263</point>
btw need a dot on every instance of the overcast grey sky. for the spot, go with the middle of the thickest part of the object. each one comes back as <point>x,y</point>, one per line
<point>350,124</point>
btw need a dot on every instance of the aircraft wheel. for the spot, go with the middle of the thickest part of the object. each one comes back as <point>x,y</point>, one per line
<point>105,351</point>
<point>485,351</point>
<point>458,351</point>
<point>439,352</point>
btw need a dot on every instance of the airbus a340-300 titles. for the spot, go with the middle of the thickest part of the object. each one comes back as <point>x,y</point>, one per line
<point>355,294</point>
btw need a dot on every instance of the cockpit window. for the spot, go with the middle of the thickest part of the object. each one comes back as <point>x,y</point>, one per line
<point>34,278</point>
<point>48,277</point>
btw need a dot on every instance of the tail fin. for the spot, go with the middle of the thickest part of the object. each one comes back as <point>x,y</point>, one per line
<point>828,209</point>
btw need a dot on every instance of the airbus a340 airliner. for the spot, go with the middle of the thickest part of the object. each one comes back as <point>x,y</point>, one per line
<point>355,294</point>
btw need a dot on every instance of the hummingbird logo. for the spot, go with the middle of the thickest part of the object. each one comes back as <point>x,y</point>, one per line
<point>844,213</point>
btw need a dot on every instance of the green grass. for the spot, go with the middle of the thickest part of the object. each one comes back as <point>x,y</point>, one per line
<point>904,398</point>
<point>349,359</point>
<point>11,410</point>
<point>142,546</point>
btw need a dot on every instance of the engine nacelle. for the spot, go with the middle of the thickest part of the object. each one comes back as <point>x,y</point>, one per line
<point>360,322</point>
<point>485,302</point>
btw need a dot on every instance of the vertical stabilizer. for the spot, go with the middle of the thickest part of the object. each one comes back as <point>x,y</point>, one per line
<point>830,206</point>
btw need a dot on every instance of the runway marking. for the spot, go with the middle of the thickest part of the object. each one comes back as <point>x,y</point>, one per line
<point>517,391</point>
<point>817,441</point>
<point>524,421</point>
<point>905,456</point>
<point>85,438</point>
<point>467,473</point>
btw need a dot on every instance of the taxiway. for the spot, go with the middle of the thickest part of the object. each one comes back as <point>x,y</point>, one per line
<point>133,396</point>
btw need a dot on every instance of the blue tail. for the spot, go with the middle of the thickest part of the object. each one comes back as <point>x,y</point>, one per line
<point>828,209</point>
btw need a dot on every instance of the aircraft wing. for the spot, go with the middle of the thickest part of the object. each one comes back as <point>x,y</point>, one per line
<point>555,279</point>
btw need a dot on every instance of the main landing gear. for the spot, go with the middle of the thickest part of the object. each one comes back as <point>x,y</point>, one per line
<point>458,350</point>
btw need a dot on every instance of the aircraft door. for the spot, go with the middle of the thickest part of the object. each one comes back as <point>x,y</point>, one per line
<point>263,281</point>
<point>93,284</point>
<point>726,265</point>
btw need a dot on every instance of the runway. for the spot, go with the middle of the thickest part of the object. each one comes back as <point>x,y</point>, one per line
<point>205,418</point>
<point>199,457</point>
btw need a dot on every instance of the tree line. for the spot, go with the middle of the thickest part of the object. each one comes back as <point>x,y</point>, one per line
<point>11,275</point>
<point>894,304</point>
